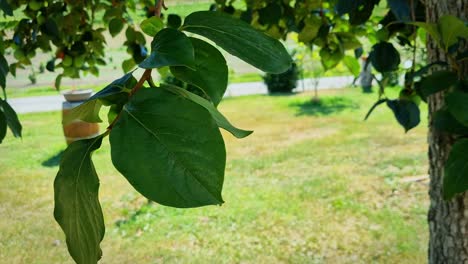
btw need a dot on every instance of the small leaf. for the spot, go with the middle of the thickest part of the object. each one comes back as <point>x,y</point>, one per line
<point>114,93</point>
<point>456,170</point>
<point>406,112</point>
<point>210,72</point>
<point>436,82</point>
<point>348,40</point>
<point>3,126</point>
<point>174,21</point>
<point>456,102</point>
<point>170,47</point>
<point>240,39</point>
<point>11,118</point>
<point>384,57</point>
<point>310,30</point>
<point>58,81</point>
<point>330,58</point>
<point>4,69</point>
<point>152,26</point>
<point>445,122</point>
<point>221,121</point>
<point>115,26</point>
<point>353,65</point>
<point>128,65</point>
<point>77,208</point>
<point>178,155</point>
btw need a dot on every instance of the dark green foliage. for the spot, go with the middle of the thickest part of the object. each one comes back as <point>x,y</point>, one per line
<point>283,82</point>
<point>177,151</point>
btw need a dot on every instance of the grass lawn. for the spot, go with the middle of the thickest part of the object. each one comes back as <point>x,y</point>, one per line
<point>313,184</point>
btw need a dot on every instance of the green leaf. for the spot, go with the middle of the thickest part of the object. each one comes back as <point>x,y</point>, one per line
<point>331,58</point>
<point>384,57</point>
<point>4,69</point>
<point>174,21</point>
<point>436,82</point>
<point>11,118</point>
<point>240,39</point>
<point>456,170</point>
<point>352,64</point>
<point>310,30</point>
<point>406,112</point>
<point>456,102</point>
<point>430,28</point>
<point>58,81</point>
<point>77,208</point>
<point>210,72</point>
<point>178,155</point>
<point>170,47</point>
<point>115,93</point>
<point>128,65</point>
<point>445,122</point>
<point>221,121</point>
<point>348,40</point>
<point>451,28</point>
<point>3,126</point>
<point>151,26</point>
<point>115,26</point>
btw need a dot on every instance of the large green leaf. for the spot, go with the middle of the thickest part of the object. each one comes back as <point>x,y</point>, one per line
<point>240,39</point>
<point>170,47</point>
<point>11,118</point>
<point>77,208</point>
<point>210,72</point>
<point>437,82</point>
<point>406,112</point>
<point>456,170</point>
<point>115,93</point>
<point>221,121</point>
<point>456,102</point>
<point>176,149</point>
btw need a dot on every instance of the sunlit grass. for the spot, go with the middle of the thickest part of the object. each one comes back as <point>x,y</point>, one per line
<point>313,184</point>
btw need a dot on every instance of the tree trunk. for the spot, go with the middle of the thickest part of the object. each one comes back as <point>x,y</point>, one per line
<point>448,220</point>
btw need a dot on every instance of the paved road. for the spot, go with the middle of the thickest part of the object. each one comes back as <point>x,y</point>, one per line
<point>54,102</point>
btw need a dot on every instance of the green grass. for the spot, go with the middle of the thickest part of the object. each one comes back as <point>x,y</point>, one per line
<point>313,184</point>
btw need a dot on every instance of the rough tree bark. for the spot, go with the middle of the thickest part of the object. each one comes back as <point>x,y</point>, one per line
<point>448,220</point>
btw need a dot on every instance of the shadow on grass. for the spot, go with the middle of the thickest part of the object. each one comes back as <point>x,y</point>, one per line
<point>324,106</point>
<point>54,160</point>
